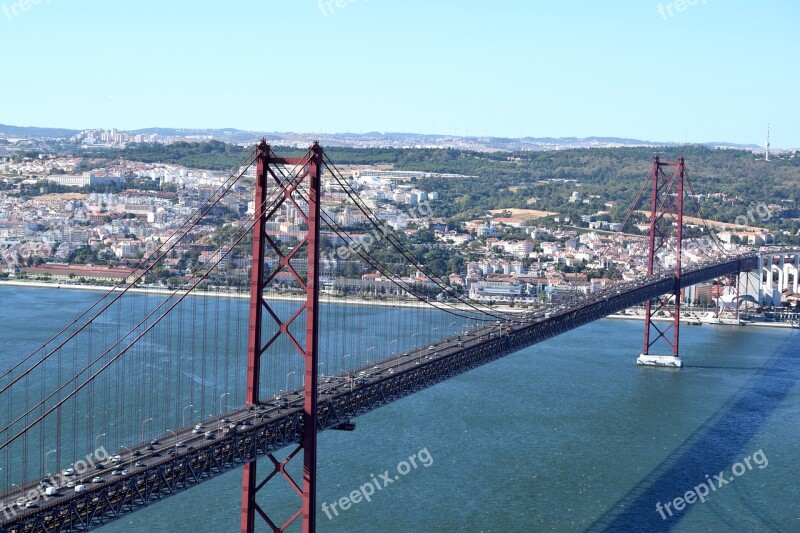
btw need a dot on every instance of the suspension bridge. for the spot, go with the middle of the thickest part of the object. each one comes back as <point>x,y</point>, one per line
<point>169,381</point>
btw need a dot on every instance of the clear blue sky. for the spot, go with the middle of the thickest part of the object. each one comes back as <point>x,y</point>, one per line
<point>718,70</point>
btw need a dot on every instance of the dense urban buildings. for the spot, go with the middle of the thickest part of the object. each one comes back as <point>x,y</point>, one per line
<point>105,216</point>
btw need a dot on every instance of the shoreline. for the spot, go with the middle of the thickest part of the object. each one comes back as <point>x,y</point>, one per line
<point>351,301</point>
<point>325,298</point>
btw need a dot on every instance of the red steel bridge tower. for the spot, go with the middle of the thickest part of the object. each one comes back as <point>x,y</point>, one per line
<point>666,234</point>
<point>298,186</point>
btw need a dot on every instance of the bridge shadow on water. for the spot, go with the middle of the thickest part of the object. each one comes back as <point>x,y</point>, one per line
<point>715,446</point>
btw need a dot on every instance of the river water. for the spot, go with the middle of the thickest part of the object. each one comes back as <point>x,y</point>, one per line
<point>567,435</point>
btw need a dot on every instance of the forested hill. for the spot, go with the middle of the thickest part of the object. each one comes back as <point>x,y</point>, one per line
<point>535,179</point>
<point>711,167</point>
<point>30,131</point>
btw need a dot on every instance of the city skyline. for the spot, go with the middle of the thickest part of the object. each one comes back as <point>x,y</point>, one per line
<point>671,71</point>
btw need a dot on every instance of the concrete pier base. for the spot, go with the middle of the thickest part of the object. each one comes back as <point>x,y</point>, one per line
<point>659,360</point>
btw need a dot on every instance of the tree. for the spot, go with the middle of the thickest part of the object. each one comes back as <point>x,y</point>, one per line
<point>456,265</point>
<point>426,235</point>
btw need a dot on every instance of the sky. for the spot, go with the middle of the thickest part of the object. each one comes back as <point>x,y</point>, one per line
<point>674,70</point>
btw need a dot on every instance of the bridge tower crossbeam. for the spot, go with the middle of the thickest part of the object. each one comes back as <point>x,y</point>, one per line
<point>666,233</point>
